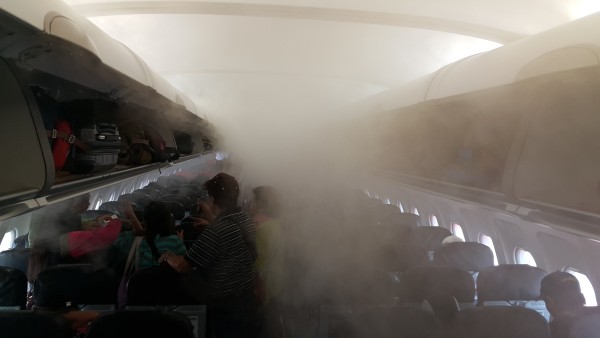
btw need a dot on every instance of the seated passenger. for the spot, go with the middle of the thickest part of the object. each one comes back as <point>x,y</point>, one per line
<point>225,251</point>
<point>159,234</point>
<point>57,235</point>
<point>565,302</point>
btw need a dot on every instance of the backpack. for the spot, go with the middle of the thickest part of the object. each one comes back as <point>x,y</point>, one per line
<point>135,148</point>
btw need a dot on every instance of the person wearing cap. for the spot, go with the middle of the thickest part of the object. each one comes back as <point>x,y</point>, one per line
<point>225,252</point>
<point>565,302</point>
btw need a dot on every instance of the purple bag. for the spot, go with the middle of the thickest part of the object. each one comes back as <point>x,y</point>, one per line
<point>130,267</point>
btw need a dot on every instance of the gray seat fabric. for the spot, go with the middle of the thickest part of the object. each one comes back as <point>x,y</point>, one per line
<point>396,322</point>
<point>419,283</point>
<point>586,327</point>
<point>468,256</point>
<point>430,237</point>
<point>142,323</point>
<point>509,282</point>
<point>498,322</point>
<point>34,324</point>
<point>16,258</point>
<point>13,288</point>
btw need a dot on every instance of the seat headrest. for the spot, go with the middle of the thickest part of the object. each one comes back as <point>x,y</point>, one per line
<point>509,282</point>
<point>499,322</point>
<point>468,256</point>
<point>419,283</point>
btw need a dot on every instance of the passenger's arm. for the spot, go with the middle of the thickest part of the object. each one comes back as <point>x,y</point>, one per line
<point>136,226</point>
<point>178,263</point>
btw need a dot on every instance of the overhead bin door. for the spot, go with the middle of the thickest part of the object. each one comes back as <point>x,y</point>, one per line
<point>560,161</point>
<point>22,168</point>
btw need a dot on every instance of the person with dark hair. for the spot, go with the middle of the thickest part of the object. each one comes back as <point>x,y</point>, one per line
<point>158,232</point>
<point>565,302</point>
<point>225,251</point>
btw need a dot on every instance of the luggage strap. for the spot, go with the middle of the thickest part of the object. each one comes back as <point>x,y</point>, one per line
<point>70,138</point>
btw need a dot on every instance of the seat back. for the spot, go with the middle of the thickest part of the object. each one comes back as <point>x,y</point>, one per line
<point>177,209</point>
<point>112,206</point>
<point>468,256</point>
<point>430,237</point>
<point>511,285</point>
<point>586,327</point>
<point>16,258</point>
<point>140,199</point>
<point>185,201</point>
<point>34,324</point>
<point>13,288</point>
<point>396,322</point>
<point>419,283</point>
<point>401,219</point>
<point>140,323</point>
<point>157,285</point>
<point>77,284</point>
<point>400,257</point>
<point>499,322</point>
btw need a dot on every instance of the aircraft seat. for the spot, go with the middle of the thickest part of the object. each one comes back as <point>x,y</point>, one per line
<point>157,285</point>
<point>388,322</point>
<point>75,284</point>
<point>400,257</point>
<point>468,256</point>
<point>140,323</point>
<point>430,237</point>
<point>34,324</point>
<point>16,258</point>
<point>141,200</point>
<point>184,200</point>
<point>511,285</point>
<point>498,322</point>
<point>401,219</point>
<point>419,283</point>
<point>586,327</point>
<point>13,288</point>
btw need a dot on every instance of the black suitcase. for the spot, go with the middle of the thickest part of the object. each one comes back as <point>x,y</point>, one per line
<point>96,148</point>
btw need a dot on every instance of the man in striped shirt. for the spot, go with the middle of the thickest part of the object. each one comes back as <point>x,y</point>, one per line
<point>225,251</point>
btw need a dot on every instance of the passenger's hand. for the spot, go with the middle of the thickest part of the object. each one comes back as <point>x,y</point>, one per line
<point>206,210</point>
<point>178,263</point>
<point>198,223</point>
<point>127,207</point>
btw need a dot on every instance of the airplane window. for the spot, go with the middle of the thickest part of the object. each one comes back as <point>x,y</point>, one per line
<point>433,221</point>
<point>97,204</point>
<point>523,256</point>
<point>8,239</point>
<point>487,241</point>
<point>458,231</point>
<point>387,201</point>
<point>415,211</point>
<point>401,206</point>
<point>586,287</point>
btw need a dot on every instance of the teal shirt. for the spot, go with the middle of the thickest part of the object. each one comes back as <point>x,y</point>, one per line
<point>171,243</point>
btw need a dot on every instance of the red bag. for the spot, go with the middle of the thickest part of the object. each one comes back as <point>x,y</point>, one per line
<point>62,138</point>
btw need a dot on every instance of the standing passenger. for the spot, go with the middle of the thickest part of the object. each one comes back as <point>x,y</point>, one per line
<point>225,251</point>
<point>265,211</point>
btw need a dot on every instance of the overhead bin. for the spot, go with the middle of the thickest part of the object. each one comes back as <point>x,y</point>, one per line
<point>63,92</point>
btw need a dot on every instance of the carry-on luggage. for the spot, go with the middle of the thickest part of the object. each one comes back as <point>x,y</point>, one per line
<point>98,146</point>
